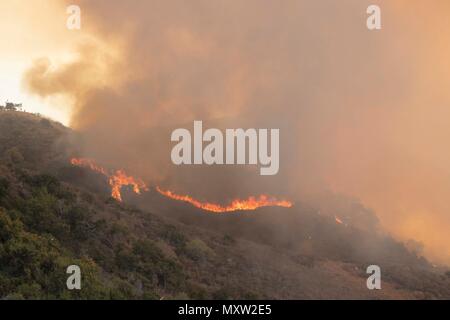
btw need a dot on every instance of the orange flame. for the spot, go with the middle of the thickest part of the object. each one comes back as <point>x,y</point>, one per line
<point>251,203</point>
<point>116,180</point>
<point>119,178</point>
<point>88,163</point>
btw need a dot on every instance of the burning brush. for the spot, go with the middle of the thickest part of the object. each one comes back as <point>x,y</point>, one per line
<point>118,179</point>
<point>250,203</point>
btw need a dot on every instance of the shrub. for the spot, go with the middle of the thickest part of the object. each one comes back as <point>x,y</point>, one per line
<point>4,184</point>
<point>8,227</point>
<point>173,236</point>
<point>228,240</point>
<point>198,250</point>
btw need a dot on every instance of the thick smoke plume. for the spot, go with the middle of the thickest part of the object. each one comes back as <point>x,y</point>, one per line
<point>363,113</point>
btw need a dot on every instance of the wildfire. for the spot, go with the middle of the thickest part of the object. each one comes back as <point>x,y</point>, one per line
<point>120,179</point>
<point>117,179</point>
<point>88,163</point>
<point>250,203</point>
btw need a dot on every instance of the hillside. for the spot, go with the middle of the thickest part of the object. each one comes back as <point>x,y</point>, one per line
<point>53,215</point>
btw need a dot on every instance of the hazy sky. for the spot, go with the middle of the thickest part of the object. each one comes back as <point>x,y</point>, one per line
<point>29,30</point>
<point>363,113</point>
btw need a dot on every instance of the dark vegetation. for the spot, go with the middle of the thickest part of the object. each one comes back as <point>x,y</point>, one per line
<point>53,215</point>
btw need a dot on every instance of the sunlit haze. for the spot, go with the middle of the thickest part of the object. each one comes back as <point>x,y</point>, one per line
<point>361,114</point>
<point>30,30</point>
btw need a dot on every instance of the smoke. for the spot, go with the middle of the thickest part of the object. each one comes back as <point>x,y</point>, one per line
<point>360,112</point>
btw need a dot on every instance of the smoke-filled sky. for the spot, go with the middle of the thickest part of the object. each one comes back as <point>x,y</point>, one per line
<point>362,113</point>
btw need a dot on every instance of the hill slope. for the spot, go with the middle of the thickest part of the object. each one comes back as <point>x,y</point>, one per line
<point>53,215</point>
